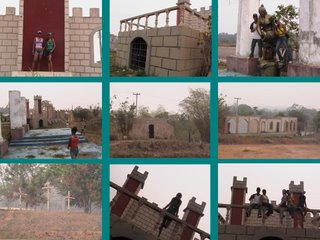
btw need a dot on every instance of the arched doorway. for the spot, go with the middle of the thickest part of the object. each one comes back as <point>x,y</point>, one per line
<point>243,126</point>
<point>40,123</point>
<point>138,54</point>
<point>232,126</point>
<point>278,127</point>
<point>151,131</point>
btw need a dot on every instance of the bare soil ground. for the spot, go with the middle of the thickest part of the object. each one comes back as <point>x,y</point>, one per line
<point>50,225</point>
<point>158,149</point>
<point>93,130</point>
<point>269,147</point>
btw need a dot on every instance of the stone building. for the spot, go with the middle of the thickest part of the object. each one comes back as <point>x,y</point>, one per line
<point>236,225</point>
<point>151,128</point>
<point>260,125</point>
<point>135,218</point>
<point>170,50</point>
<point>74,36</point>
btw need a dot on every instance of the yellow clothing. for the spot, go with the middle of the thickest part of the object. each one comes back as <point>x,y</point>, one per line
<point>281,30</point>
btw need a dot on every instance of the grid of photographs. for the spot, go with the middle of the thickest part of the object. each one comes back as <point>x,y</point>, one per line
<point>201,121</point>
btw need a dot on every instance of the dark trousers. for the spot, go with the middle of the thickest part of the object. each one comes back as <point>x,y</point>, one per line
<point>283,42</point>
<point>253,45</point>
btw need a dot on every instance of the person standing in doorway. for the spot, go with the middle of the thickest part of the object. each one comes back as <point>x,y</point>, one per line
<point>256,38</point>
<point>37,50</point>
<point>50,46</point>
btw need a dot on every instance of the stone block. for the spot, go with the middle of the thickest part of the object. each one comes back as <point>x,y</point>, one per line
<point>161,72</point>
<point>152,32</point>
<point>195,53</point>
<point>236,229</point>
<point>244,65</point>
<point>162,52</point>
<point>77,12</point>
<point>296,232</point>
<point>157,41</point>
<point>13,24</point>
<point>155,61</point>
<point>153,51</point>
<point>3,148</point>
<point>169,64</point>
<point>227,237</point>
<point>171,41</point>
<point>3,23</point>
<point>17,133</point>
<point>300,69</point>
<point>94,12</point>
<point>164,31</point>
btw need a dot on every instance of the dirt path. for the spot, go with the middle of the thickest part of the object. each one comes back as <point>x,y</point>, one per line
<point>269,151</point>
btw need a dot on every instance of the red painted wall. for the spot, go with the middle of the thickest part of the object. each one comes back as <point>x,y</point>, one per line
<point>236,213</point>
<point>192,219</point>
<point>123,199</point>
<point>47,16</point>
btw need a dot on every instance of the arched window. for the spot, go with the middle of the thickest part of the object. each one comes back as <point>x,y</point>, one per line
<point>271,126</point>
<point>138,54</point>
<point>96,47</point>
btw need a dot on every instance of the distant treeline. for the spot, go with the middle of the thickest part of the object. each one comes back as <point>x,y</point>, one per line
<point>227,38</point>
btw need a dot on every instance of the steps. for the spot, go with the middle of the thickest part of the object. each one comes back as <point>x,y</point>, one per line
<point>44,140</point>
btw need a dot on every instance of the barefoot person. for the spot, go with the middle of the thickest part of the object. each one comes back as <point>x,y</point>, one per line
<point>37,50</point>
<point>50,46</point>
<point>73,143</point>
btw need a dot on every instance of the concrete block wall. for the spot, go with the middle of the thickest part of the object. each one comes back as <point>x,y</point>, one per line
<point>173,51</point>
<point>196,23</point>
<point>8,41</point>
<point>232,232</point>
<point>81,29</point>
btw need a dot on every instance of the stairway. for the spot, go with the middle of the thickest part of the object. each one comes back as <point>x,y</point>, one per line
<point>44,140</point>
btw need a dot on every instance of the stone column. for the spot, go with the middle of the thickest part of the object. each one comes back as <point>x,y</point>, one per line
<point>192,215</point>
<point>238,194</point>
<point>244,36</point>
<point>133,184</point>
<point>3,143</point>
<point>1,138</point>
<point>296,191</point>
<point>309,23</point>
<point>16,125</point>
<point>182,15</point>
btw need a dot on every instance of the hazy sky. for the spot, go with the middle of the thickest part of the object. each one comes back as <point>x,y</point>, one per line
<point>171,179</point>
<point>259,175</point>
<point>119,12</point>
<point>61,95</point>
<point>280,95</point>
<point>228,12</point>
<point>85,4</point>
<point>169,95</point>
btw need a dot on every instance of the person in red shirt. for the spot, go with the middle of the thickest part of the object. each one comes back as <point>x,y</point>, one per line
<point>73,143</point>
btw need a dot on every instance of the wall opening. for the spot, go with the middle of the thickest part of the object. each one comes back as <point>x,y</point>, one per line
<point>40,123</point>
<point>97,46</point>
<point>151,131</point>
<point>138,54</point>
<point>278,127</point>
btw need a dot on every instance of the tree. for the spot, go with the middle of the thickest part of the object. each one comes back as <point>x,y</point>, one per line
<point>298,111</point>
<point>161,112</point>
<point>316,121</point>
<point>81,113</point>
<point>289,16</point>
<point>143,112</point>
<point>197,107</point>
<point>123,117</point>
<point>206,50</point>
<point>84,181</point>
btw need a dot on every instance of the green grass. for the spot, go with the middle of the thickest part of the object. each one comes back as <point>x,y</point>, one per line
<point>118,71</point>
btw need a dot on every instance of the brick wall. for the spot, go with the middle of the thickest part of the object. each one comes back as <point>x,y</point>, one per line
<point>172,51</point>
<point>80,43</point>
<point>232,232</point>
<point>196,23</point>
<point>8,42</point>
<point>79,31</point>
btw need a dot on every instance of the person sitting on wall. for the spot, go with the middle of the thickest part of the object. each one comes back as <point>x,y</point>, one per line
<point>264,201</point>
<point>283,203</point>
<point>172,208</point>
<point>50,46</point>
<point>255,203</point>
<point>302,205</point>
<point>73,143</point>
<point>37,50</point>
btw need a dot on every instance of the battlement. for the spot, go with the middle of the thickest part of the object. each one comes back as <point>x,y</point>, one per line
<point>239,183</point>
<point>93,13</point>
<point>10,11</point>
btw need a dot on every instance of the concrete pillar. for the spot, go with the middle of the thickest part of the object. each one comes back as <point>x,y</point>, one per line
<point>183,16</point>
<point>133,184</point>
<point>192,214</point>
<point>238,195</point>
<point>244,36</point>
<point>309,23</point>
<point>1,138</point>
<point>296,191</point>
<point>16,124</point>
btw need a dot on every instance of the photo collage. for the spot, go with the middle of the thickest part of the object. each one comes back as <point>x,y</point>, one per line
<point>214,101</point>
